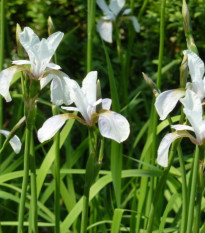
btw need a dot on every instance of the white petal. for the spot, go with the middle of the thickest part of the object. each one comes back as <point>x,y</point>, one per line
<point>113,125</point>
<point>182,127</point>
<point>105,30</point>
<point>55,39</point>
<point>60,89</point>
<point>53,66</point>
<point>163,150</point>
<point>80,100</point>
<point>167,100</point>
<point>51,127</point>
<point>198,88</point>
<point>14,141</point>
<point>104,7</point>
<point>106,103</point>
<point>21,62</point>
<point>6,77</point>
<point>28,38</point>
<point>196,66</point>
<point>135,22</point>
<point>45,80</point>
<point>116,6</point>
<point>89,87</point>
<point>70,108</point>
<point>126,11</point>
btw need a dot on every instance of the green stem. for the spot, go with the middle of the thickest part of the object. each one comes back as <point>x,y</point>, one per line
<point>2,40</point>
<point>57,178</point>
<point>34,208</point>
<point>90,30</point>
<point>184,191</point>
<point>193,189</point>
<point>25,180</point>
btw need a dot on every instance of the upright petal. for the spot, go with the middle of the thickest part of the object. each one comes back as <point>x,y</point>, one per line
<point>80,100</point>
<point>116,6</point>
<point>14,141</point>
<point>167,100</point>
<point>51,127</point>
<point>89,86</point>
<point>54,40</point>
<point>196,66</point>
<point>106,103</point>
<point>163,150</point>
<point>104,7</point>
<point>105,30</point>
<point>6,77</point>
<point>113,125</point>
<point>28,38</point>
<point>135,22</point>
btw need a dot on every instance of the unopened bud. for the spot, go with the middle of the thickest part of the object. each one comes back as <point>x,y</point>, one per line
<point>184,71</point>
<point>19,47</point>
<point>50,26</point>
<point>98,96</point>
<point>151,84</point>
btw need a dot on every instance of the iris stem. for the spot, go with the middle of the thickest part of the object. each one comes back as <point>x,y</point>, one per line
<point>194,184</point>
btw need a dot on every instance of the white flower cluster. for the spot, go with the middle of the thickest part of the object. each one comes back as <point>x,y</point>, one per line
<point>193,94</point>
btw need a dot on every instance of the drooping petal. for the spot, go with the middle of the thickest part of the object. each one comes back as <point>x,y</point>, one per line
<point>45,80</point>
<point>54,40</point>
<point>6,77</point>
<point>105,30</point>
<point>70,108</point>
<point>167,100</point>
<point>28,38</point>
<point>53,66</point>
<point>106,103</point>
<point>51,126</point>
<point>116,6</point>
<point>135,22</point>
<point>14,141</point>
<point>89,87</point>
<point>163,150</point>
<point>196,66</point>
<point>104,7</point>
<point>126,11</point>
<point>80,100</point>
<point>113,125</point>
<point>21,62</point>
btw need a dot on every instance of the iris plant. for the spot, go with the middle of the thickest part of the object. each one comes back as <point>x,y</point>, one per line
<point>167,100</point>
<point>194,113</point>
<point>111,124</point>
<point>105,25</point>
<point>40,53</point>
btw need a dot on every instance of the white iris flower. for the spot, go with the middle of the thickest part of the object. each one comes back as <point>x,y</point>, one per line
<point>167,100</point>
<point>105,25</point>
<point>14,141</point>
<point>194,113</point>
<point>40,53</point>
<point>111,124</point>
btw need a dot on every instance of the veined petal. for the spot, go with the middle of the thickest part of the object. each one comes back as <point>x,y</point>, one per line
<point>163,150</point>
<point>21,62</point>
<point>54,40</point>
<point>113,125</point>
<point>167,100</point>
<point>53,66</point>
<point>14,141</point>
<point>105,30</point>
<point>135,22</point>
<point>28,38</point>
<point>6,77</point>
<point>89,87</point>
<point>104,7</point>
<point>199,89</point>
<point>116,6</point>
<point>51,127</point>
<point>106,103</point>
<point>196,66</point>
